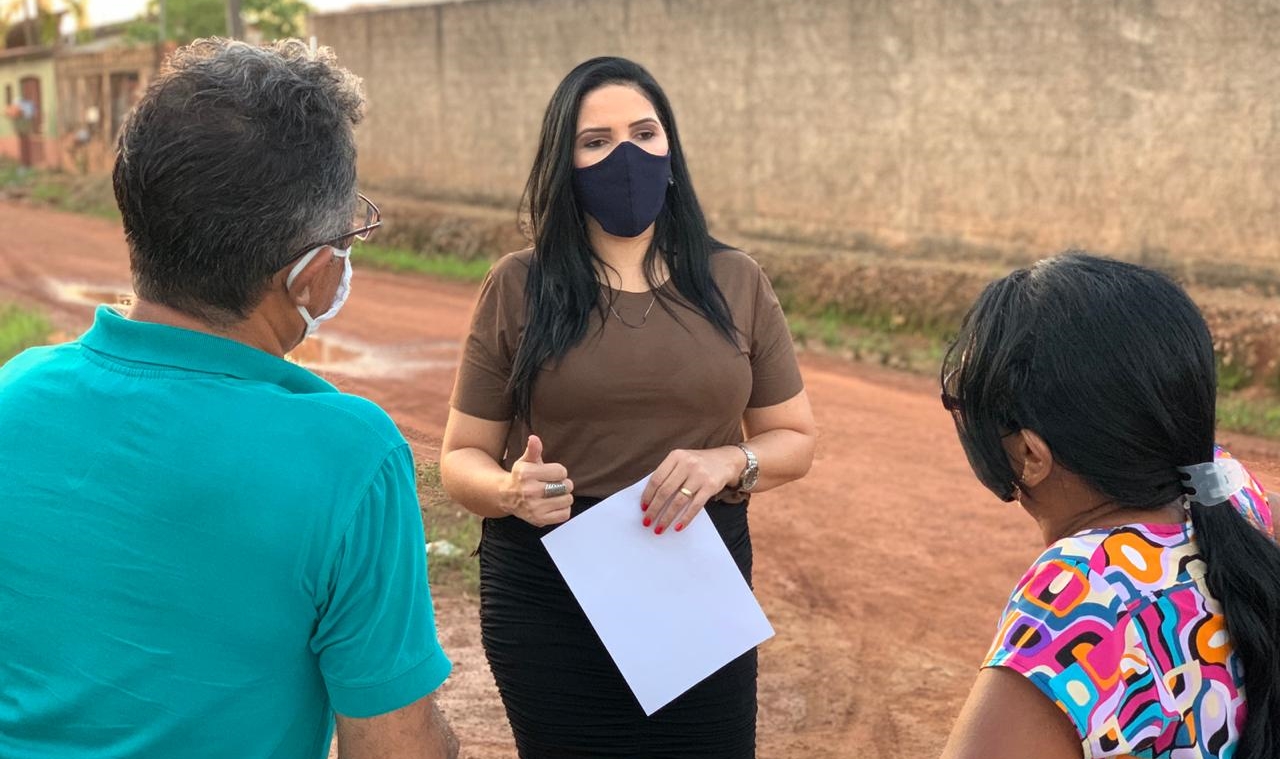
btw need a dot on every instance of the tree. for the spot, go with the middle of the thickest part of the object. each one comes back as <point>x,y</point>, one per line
<point>277,18</point>
<point>40,18</point>
<point>18,12</point>
<point>186,20</point>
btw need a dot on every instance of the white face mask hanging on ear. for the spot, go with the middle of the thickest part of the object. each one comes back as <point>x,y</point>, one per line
<point>339,299</point>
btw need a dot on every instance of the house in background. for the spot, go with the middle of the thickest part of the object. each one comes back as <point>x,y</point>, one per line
<point>28,111</point>
<point>64,103</point>
<point>98,83</point>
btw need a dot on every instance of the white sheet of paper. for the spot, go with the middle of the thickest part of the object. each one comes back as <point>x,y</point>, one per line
<point>671,609</point>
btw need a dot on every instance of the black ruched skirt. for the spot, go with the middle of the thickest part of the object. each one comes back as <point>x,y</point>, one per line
<point>564,696</point>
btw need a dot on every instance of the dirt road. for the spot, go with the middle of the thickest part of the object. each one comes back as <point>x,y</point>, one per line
<point>883,571</point>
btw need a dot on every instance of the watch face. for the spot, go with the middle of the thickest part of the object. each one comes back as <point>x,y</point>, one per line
<point>752,473</point>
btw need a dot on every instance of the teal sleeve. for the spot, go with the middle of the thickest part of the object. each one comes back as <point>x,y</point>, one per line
<point>376,635</point>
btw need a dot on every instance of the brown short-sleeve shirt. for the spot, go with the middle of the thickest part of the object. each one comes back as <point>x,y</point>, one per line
<point>623,398</point>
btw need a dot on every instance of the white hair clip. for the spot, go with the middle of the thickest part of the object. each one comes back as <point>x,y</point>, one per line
<point>1215,481</point>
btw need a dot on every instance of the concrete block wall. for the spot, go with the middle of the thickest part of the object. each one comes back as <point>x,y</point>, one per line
<point>1124,126</point>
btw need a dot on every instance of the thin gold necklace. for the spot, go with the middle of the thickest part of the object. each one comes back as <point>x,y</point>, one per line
<point>643,319</point>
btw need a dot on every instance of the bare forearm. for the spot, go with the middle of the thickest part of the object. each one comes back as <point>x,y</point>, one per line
<point>417,731</point>
<point>472,478</point>
<point>686,479</point>
<point>444,743</point>
<point>784,455</point>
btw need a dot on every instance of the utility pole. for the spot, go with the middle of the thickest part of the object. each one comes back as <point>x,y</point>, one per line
<point>30,18</point>
<point>235,24</point>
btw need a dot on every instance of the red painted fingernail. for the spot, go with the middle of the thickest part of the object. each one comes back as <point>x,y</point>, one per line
<point>644,507</point>
<point>647,521</point>
<point>659,530</point>
<point>679,526</point>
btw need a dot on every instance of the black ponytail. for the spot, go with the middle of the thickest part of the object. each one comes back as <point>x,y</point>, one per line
<point>1243,573</point>
<point>1112,364</point>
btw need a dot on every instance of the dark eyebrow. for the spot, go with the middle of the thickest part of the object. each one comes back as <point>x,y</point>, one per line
<point>607,130</point>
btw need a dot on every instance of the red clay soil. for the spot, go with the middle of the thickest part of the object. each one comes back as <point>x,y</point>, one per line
<point>883,571</point>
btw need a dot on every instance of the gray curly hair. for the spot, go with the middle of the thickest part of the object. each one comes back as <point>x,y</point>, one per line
<point>234,158</point>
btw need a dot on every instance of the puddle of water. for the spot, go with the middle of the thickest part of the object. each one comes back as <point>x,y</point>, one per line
<point>328,353</point>
<point>90,295</point>
<point>342,355</point>
<point>317,351</point>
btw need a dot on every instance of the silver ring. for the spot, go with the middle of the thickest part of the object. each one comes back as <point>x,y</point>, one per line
<point>554,490</point>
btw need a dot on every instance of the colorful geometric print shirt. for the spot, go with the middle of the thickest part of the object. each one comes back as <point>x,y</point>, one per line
<point>1119,629</point>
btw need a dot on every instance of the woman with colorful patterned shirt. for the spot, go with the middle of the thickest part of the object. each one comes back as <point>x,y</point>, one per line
<point>1085,389</point>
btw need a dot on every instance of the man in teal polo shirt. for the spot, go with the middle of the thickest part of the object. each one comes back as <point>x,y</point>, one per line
<point>207,550</point>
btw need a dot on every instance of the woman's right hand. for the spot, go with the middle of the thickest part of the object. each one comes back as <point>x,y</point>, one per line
<point>523,494</point>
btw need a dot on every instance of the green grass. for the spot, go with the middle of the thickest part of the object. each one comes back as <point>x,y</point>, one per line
<point>445,520</point>
<point>21,329</point>
<point>12,175</point>
<point>869,340</point>
<point>1232,377</point>
<point>872,341</point>
<point>51,193</point>
<point>1252,416</point>
<point>444,266</point>
<point>92,195</point>
<point>111,214</point>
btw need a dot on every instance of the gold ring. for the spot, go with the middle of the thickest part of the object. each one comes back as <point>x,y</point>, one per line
<point>688,493</point>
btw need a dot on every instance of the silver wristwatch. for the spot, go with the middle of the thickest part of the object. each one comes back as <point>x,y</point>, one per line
<point>751,474</point>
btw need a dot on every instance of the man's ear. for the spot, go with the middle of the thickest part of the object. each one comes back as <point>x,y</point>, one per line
<point>1030,456</point>
<point>300,290</point>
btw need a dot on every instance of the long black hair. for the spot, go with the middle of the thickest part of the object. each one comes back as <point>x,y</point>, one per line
<point>1112,364</point>
<point>563,286</point>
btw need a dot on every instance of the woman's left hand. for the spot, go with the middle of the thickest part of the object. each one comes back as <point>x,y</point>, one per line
<point>684,482</point>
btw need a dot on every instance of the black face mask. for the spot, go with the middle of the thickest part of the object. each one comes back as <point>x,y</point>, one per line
<point>626,191</point>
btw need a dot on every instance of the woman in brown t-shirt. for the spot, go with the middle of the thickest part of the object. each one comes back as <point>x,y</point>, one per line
<point>627,342</point>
